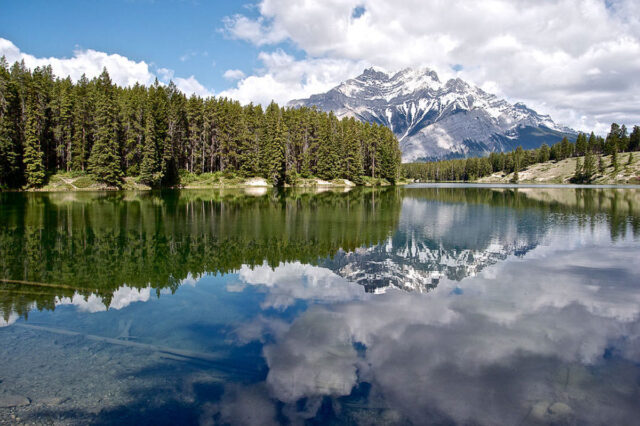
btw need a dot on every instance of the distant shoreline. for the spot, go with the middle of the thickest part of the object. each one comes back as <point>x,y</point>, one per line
<point>563,173</point>
<point>477,184</point>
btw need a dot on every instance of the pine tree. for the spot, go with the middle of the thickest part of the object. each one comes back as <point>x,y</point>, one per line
<point>601,166</point>
<point>581,144</point>
<point>155,135</point>
<point>577,174</point>
<point>543,153</point>
<point>614,160</point>
<point>173,149</point>
<point>592,144</point>
<point>10,132</point>
<point>195,111</point>
<point>612,141</point>
<point>273,158</point>
<point>630,159</point>
<point>251,140</point>
<point>104,161</point>
<point>132,116</point>
<point>62,121</point>
<point>33,155</point>
<point>83,123</point>
<point>352,167</point>
<point>37,128</point>
<point>589,167</point>
<point>634,139</point>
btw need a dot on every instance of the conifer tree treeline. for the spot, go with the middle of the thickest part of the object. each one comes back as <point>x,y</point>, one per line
<point>592,147</point>
<point>49,124</point>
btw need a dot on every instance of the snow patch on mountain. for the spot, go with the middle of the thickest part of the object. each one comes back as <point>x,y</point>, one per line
<point>435,120</point>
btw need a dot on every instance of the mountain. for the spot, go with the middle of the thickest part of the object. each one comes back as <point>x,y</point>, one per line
<point>436,120</point>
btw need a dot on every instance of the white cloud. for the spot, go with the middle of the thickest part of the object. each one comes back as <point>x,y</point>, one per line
<point>542,53</point>
<point>123,71</point>
<point>165,74</point>
<point>256,31</point>
<point>284,78</point>
<point>233,74</point>
<point>192,86</point>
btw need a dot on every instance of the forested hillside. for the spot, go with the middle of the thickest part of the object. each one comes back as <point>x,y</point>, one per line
<point>593,148</point>
<point>50,124</point>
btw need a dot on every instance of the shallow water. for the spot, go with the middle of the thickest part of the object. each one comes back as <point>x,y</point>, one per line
<point>446,304</point>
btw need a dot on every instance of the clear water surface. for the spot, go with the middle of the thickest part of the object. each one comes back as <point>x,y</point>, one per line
<point>445,304</point>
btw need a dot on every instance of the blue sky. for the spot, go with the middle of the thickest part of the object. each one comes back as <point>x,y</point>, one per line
<point>577,60</point>
<point>184,36</point>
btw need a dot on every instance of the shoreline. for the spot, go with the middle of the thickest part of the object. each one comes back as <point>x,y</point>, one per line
<point>60,183</point>
<point>483,184</point>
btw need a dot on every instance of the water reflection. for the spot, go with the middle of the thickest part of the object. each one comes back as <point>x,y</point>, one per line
<point>61,245</point>
<point>419,305</point>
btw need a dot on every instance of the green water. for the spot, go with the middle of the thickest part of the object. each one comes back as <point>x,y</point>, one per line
<point>425,304</point>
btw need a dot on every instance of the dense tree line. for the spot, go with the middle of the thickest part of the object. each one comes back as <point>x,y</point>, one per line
<point>50,124</point>
<point>592,147</point>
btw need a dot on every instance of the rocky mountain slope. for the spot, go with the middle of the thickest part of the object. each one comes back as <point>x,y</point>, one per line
<point>437,120</point>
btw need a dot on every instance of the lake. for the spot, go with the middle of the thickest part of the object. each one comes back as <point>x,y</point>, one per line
<point>446,304</point>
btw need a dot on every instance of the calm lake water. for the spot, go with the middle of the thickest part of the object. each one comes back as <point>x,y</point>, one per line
<point>444,304</point>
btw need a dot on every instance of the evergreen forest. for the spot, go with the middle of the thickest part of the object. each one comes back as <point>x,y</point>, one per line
<point>157,134</point>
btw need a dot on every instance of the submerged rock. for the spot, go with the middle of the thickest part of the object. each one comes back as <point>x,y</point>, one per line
<point>51,401</point>
<point>9,401</point>
<point>560,409</point>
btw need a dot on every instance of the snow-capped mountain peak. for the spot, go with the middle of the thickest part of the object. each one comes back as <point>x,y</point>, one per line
<point>433,119</point>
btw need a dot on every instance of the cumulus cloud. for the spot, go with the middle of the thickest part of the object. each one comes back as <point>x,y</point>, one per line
<point>579,60</point>
<point>123,71</point>
<point>233,74</point>
<point>191,86</point>
<point>258,31</point>
<point>284,78</point>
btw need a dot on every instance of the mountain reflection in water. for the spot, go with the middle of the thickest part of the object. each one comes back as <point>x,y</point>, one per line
<point>259,307</point>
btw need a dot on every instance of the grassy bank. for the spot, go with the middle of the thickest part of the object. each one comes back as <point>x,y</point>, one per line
<point>73,181</point>
<point>562,172</point>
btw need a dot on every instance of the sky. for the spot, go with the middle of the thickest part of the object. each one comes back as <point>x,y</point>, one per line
<point>578,60</point>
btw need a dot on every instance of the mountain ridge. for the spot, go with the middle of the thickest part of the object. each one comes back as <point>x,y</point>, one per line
<point>434,119</point>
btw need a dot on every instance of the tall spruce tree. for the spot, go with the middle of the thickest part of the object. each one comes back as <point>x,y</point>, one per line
<point>274,149</point>
<point>10,129</point>
<point>83,123</point>
<point>589,167</point>
<point>104,161</point>
<point>33,155</point>
<point>37,128</point>
<point>155,135</point>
